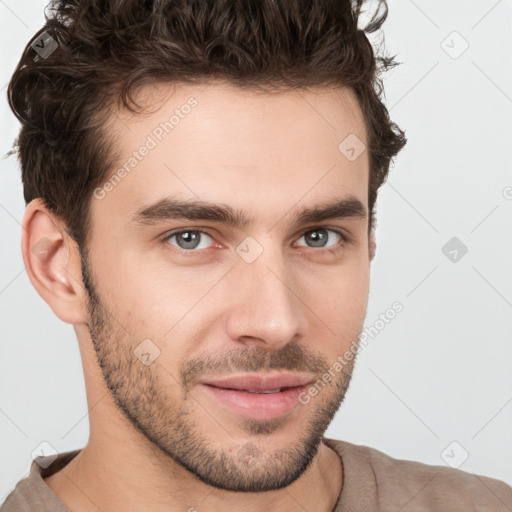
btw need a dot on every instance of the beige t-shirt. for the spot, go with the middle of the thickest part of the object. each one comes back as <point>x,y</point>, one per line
<point>372,482</point>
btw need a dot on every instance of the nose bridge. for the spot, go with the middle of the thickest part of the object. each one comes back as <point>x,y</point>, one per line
<point>264,306</point>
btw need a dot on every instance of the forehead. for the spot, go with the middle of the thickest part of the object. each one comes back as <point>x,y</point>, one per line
<point>221,142</point>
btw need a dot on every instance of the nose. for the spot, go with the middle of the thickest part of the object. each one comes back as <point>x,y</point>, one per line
<point>265,307</point>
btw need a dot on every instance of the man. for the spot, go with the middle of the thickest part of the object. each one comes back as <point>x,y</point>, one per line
<point>211,248</point>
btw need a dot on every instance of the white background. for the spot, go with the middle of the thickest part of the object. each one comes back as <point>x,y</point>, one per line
<point>441,370</point>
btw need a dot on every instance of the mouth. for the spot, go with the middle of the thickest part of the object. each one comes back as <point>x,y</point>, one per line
<point>258,397</point>
<point>259,383</point>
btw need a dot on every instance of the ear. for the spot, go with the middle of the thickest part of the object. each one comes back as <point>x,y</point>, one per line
<point>52,262</point>
<point>372,245</point>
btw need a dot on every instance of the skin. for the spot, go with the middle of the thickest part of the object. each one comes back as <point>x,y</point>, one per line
<point>157,441</point>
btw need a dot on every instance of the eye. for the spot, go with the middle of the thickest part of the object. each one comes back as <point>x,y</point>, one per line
<point>189,239</point>
<point>318,237</point>
<point>190,242</point>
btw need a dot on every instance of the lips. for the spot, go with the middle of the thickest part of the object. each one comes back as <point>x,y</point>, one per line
<point>256,396</point>
<point>257,383</point>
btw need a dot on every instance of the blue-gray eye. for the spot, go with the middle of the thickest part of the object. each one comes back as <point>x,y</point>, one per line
<point>318,237</point>
<point>189,239</point>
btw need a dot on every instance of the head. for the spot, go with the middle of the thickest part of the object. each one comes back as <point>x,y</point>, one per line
<point>259,127</point>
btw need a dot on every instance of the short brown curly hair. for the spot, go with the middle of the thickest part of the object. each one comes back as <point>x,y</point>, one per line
<point>104,50</point>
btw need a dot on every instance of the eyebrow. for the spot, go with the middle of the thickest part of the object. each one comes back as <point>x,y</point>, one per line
<point>171,208</point>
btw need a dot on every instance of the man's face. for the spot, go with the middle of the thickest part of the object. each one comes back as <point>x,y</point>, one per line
<point>279,294</point>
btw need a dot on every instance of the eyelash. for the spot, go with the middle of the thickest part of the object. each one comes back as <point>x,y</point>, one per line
<point>194,252</point>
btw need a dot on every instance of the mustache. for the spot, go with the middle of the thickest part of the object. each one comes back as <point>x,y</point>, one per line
<point>292,357</point>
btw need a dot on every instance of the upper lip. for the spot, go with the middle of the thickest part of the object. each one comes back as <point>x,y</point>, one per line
<point>260,382</point>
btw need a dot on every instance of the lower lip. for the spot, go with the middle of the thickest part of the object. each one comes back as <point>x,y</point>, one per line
<point>262,406</point>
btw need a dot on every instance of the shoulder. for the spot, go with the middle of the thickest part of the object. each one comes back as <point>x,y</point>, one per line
<point>32,493</point>
<point>413,485</point>
<point>19,499</point>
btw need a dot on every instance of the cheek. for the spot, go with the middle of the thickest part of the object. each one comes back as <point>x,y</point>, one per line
<point>344,310</point>
<point>167,310</point>
<point>344,299</point>
<point>137,308</point>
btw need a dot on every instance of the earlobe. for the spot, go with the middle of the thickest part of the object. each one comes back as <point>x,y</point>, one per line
<point>52,262</point>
